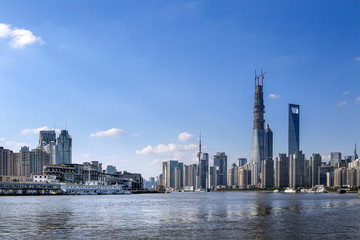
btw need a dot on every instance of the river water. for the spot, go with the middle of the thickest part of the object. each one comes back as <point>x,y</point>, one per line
<point>232,215</point>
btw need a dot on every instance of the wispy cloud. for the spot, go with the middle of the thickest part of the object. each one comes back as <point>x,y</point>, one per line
<point>13,144</point>
<point>358,99</point>
<point>346,93</point>
<point>274,95</point>
<point>165,149</point>
<point>325,158</point>
<point>108,133</point>
<point>357,58</point>
<point>37,130</point>
<point>342,103</point>
<point>184,136</point>
<point>136,134</point>
<point>19,38</point>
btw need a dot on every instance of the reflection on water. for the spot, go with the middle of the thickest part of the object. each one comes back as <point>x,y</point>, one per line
<point>182,215</point>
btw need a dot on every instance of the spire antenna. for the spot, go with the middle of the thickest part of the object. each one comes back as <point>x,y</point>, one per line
<point>199,153</point>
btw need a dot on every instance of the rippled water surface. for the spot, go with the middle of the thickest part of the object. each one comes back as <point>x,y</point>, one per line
<point>230,215</point>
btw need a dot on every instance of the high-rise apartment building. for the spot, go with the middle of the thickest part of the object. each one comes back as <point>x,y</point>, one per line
<point>33,162</point>
<point>294,127</point>
<point>297,167</point>
<point>282,171</point>
<point>340,178</point>
<point>6,162</point>
<point>192,175</point>
<point>244,177</point>
<point>233,175</point>
<point>169,178</point>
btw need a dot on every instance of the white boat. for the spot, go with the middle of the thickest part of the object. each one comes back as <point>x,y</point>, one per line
<point>321,190</point>
<point>289,190</point>
<point>276,191</point>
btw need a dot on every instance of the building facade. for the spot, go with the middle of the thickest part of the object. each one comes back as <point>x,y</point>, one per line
<point>294,129</point>
<point>297,168</point>
<point>220,161</point>
<point>64,148</point>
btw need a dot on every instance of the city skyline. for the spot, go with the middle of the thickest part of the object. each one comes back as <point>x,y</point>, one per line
<point>135,91</point>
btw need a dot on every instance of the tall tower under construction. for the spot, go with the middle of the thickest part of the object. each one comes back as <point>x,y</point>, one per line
<point>258,140</point>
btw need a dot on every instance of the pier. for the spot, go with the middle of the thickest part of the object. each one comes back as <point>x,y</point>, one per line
<point>12,188</point>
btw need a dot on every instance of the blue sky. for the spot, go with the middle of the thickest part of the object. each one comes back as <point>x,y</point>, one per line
<point>130,76</point>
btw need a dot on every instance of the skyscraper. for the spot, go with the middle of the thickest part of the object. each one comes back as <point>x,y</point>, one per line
<point>241,161</point>
<point>267,165</point>
<point>204,171</point>
<point>315,163</point>
<point>268,143</point>
<point>47,143</point>
<point>355,153</point>
<point>335,158</point>
<point>64,148</point>
<point>294,125</point>
<point>257,148</point>
<point>220,160</point>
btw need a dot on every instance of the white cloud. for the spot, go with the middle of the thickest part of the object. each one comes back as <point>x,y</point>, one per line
<point>325,158</point>
<point>274,96</point>
<point>166,149</point>
<point>136,134</point>
<point>108,133</point>
<point>18,37</point>
<point>184,136</point>
<point>37,130</point>
<point>2,139</point>
<point>346,93</point>
<point>358,99</point>
<point>14,144</point>
<point>357,58</point>
<point>342,103</point>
